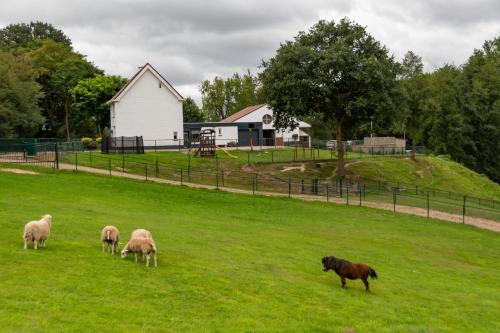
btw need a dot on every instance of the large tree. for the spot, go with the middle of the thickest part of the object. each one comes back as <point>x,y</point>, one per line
<point>19,94</point>
<point>59,70</point>
<point>419,103</point>
<point>89,113</point>
<point>336,71</point>
<point>22,35</point>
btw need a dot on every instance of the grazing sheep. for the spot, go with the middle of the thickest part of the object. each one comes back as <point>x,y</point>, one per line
<point>142,245</point>
<point>141,233</point>
<point>37,231</point>
<point>110,236</point>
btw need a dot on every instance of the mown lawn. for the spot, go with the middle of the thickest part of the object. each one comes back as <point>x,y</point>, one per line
<point>234,263</point>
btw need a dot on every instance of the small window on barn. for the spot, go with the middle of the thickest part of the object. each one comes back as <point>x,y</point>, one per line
<point>220,131</point>
<point>267,119</point>
<point>175,135</point>
<point>159,84</point>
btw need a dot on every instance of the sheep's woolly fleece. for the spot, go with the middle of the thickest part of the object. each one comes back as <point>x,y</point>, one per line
<point>19,171</point>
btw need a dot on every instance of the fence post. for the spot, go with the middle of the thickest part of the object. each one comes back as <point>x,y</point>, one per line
<point>427,203</point>
<point>416,189</point>
<point>256,182</point>
<point>463,211</point>
<point>109,166</point>
<point>394,197</point>
<point>155,146</point>
<point>217,180</point>
<point>157,167</point>
<point>253,186</point>
<point>340,187</point>
<point>302,186</point>
<point>57,155</point>
<point>360,194</point>
<point>146,170</point>
<point>76,161</point>
<point>289,187</point>
<point>189,166</point>
<point>216,162</point>
<point>347,191</point>
<point>327,194</point>
<point>181,177</point>
<point>123,163</point>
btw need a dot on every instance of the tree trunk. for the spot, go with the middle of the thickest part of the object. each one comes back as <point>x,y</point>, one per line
<point>413,148</point>
<point>340,149</point>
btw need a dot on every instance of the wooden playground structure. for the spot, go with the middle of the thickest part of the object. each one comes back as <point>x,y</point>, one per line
<point>207,145</point>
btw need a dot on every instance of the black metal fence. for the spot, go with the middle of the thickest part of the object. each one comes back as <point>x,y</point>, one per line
<point>398,197</point>
<point>45,153</point>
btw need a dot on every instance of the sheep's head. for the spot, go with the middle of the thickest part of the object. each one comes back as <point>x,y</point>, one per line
<point>47,218</point>
<point>124,253</point>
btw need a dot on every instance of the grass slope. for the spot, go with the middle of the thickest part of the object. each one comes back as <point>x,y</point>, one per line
<point>427,171</point>
<point>234,263</point>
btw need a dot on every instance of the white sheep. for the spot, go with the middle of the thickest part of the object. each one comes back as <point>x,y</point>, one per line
<point>142,245</point>
<point>110,236</point>
<point>141,233</point>
<point>37,231</point>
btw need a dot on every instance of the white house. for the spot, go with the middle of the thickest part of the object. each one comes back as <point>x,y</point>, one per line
<point>270,135</point>
<point>148,106</point>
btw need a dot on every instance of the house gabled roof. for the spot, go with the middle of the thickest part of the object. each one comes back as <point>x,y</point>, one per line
<point>240,114</point>
<point>133,80</point>
<point>249,109</point>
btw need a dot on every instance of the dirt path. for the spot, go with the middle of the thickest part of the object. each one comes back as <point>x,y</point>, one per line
<point>478,222</point>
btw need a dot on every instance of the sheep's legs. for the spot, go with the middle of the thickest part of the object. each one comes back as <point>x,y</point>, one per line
<point>147,260</point>
<point>36,245</point>
<point>135,254</point>
<point>156,264</point>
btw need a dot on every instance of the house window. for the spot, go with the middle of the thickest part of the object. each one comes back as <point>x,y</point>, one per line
<point>175,135</point>
<point>220,131</point>
<point>267,119</point>
<point>159,84</point>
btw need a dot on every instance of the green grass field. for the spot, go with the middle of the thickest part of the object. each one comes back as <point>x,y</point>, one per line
<point>234,263</point>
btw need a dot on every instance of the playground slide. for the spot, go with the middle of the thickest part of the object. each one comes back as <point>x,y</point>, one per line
<point>227,153</point>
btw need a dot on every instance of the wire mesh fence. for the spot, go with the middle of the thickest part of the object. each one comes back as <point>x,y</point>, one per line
<point>395,196</point>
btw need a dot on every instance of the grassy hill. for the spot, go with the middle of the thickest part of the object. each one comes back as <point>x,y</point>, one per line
<point>428,171</point>
<point>234,263</point>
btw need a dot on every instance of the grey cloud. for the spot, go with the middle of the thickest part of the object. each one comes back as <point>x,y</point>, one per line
<point>189,40</point>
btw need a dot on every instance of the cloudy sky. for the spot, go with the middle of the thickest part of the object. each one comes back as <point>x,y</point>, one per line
<point>189,41</point>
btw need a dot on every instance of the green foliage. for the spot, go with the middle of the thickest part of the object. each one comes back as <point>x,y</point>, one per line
<point>89,111</point>
<point>59,71</point>
<point>336,71</point>
<point>419,104</point>
<point>19,94</point>
<point>27,35</point>
<point>223,97</point>
<point>191,112</point>
<point>482,108</point>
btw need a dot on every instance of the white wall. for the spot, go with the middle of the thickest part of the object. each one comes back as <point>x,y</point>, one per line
<point>147,110</point>
<point>227,134</point>
<point>257,115</point>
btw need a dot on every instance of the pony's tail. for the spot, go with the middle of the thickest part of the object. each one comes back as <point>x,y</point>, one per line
<point>372,273</point>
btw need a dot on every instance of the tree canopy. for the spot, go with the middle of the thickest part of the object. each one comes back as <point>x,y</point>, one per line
<point>191,112</point>
<point>335,71</point>
<point>223,97</point>
<point>27,34</point>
